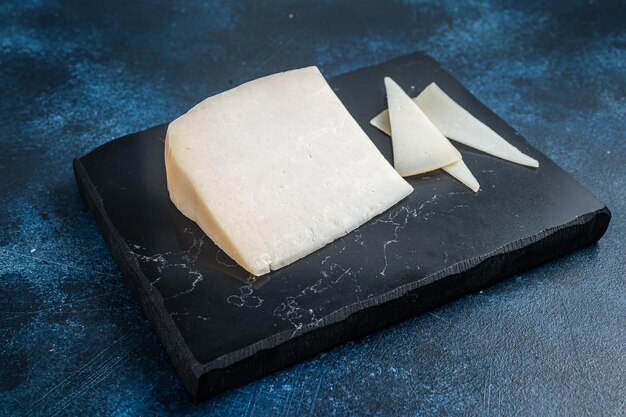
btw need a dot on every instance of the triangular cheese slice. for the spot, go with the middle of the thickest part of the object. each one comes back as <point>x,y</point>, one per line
<point>458,124</point>
<point>457,169</point>
<point>461,172</point>
<point>418,146</point>
<point>381,121</point>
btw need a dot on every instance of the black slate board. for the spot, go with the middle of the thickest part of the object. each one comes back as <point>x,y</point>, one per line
<point>222,328</point>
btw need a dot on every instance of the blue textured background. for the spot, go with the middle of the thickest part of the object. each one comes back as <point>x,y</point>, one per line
<point>74,75</point>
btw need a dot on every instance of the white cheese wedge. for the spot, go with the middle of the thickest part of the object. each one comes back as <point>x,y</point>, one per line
<point>418,146</point>
<point>458,124</point>
<point>276,168</point>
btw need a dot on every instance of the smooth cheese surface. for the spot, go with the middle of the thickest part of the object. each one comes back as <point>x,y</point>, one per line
<point>458,124</point>
<point>276,168</point>
<point>418,146</point>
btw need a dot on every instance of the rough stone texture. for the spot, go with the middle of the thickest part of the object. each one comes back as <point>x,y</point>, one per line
<point>74,75</point>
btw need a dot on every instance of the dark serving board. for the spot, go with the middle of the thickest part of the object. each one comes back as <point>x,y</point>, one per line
<point>222,328</point>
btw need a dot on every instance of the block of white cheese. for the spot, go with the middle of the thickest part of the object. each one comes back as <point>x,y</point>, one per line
<point>276,168</point>
<point>458,124</point>
<point>418,146</point>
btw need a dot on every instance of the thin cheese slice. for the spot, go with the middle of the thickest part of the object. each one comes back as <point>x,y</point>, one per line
<point>458,124</point>
<point>418,146</point>
<point>275,169</point>
<point>457,169</point>
<point>461,172</point>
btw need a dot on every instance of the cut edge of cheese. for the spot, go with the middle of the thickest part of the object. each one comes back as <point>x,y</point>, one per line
<point>418,146</point>
<point>458,124</point>
<point>184,195</point>
<point>202,141</point>
<point>461,172</point>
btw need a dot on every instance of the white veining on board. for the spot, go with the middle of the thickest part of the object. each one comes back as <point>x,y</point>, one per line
<point>163,262</point>
<point>358,238</point>
<point>246,297</point>
<point>449,211</point>
<point>399,219</point>
<point>295,310</point>
<point>223,259</point>
<point>292,308</point>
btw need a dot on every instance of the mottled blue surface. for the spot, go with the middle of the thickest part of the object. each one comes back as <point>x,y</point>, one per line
<point>74,75</point>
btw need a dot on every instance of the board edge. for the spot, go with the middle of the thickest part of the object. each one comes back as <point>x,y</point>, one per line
<point>151,302</point>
